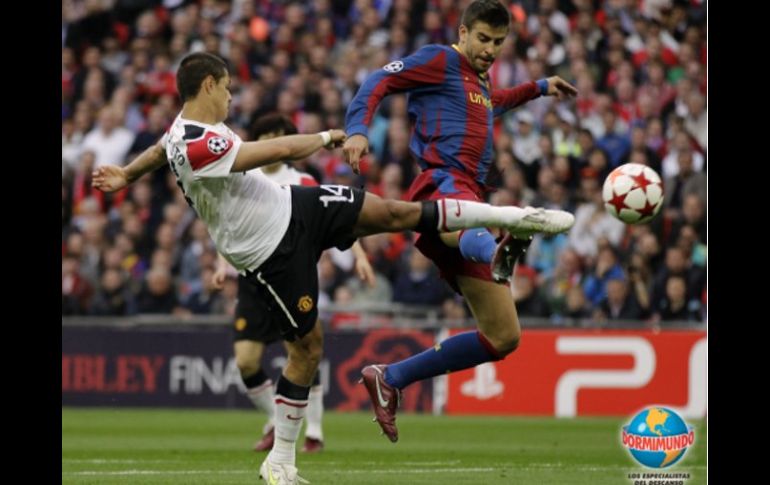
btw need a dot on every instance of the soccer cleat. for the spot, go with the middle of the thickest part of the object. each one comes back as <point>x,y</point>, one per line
<point>312,445</point>
<point>385,399</point>
<point>279,473</point>
<point>507,253</point>
<point>542,220</point>
<point>266,442</point>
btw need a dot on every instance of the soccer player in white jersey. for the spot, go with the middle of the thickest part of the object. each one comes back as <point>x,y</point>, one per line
<point>252,332</point>
<point>274,234</point>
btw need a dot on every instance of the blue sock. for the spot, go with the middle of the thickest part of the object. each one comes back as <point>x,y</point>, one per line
<point>459,352</point>
<point>477,245</point>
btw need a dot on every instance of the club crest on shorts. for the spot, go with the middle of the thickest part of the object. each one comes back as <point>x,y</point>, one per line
<point>240,324</point>
<point>305,304</point>
<point>394,66</point>
<point>217,145</point>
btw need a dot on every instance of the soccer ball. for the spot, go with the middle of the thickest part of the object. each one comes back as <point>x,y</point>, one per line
<point>633,193</point>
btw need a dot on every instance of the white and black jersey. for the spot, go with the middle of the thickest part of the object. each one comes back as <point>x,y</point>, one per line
<point>246,213</point>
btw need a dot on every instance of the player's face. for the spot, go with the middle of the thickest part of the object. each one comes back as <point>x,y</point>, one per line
<point>481,44</point>
<point>222,97</point>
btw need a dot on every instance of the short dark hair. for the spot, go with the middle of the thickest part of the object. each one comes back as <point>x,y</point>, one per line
<point>490,12</point>
<point>194,69</point>
<point>271,123</point>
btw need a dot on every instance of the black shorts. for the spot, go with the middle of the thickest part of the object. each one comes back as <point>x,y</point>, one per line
<point>278,300</point>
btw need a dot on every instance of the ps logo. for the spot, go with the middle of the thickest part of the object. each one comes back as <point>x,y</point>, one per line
<point>394,66</point>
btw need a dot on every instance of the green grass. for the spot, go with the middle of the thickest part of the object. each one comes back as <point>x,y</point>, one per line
<point>149,446</point>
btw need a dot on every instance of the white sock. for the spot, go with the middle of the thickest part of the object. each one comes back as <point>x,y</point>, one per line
<point>457,214</point>
<point>262,398</point>
<point>315,411</point>
<point>289,414</point>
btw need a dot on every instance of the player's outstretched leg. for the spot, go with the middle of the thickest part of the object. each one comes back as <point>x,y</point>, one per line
<point>448,215</point>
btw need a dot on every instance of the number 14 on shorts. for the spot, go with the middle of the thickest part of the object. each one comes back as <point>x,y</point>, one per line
<point>336,193</point>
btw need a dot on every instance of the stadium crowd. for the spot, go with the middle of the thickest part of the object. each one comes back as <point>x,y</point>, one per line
<point>639,65</point>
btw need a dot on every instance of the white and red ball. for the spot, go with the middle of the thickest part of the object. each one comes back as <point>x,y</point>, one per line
<point>633,193</point>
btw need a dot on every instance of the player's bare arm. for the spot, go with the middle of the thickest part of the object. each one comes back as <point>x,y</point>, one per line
<point>256,154</point>
<point>363,267</point>
<point>110,178</point>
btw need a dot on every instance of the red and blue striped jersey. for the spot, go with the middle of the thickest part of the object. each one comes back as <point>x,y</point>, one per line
<point>450,105</point>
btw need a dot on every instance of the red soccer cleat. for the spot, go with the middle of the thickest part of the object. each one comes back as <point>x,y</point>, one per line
<point>312,445</point>
<point>266,442</point>
<point>385,399</point>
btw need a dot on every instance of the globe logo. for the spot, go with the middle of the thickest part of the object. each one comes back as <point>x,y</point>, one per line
<point>658,437</point>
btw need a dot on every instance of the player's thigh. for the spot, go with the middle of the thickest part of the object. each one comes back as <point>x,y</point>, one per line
<point>248,352</point>
<point>386,215</point>
<point>493,308</point>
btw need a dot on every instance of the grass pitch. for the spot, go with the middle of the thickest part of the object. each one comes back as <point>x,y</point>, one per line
<point>150,446</point>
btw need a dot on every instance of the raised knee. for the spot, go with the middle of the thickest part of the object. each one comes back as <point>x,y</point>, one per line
<point>509,344</point>
<point>506,342</point>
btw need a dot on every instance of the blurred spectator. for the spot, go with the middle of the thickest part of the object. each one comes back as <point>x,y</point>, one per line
<point>576,308</point>
<point>692,246</point>
<point>529,303</point>
<point>681,144</point>
<point>205,299</point>
<point>158,294</point>
<point>693,214</point>
<point>109,141</point>
<point>686,183</point>
<point>696,122</point>
<point>113,298</point>
<point>676,305</point>
<point>420,283</point>
<point>543,253</point>
<point>616,144</point>
<point>620,303</point>
<point>592,221</point>
<point>677,264</point>
<point>525,139</point>
<point>567,275</point>
<point>607,268</point>
<point>76,292</point>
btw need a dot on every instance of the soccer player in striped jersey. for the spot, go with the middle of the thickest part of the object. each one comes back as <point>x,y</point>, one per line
<point>452,106</point>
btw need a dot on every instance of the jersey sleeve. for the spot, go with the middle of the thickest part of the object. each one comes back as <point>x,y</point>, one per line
<point>505,99</point>
<point>425,67</point>
<point>213,154</point>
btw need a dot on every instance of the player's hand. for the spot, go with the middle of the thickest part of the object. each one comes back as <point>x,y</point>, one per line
<point>338,138</point>
<point>109,178</point>
<point>560,88</point>
<point>365,271</point>
<point>354,148</point>
<point>218,278</point>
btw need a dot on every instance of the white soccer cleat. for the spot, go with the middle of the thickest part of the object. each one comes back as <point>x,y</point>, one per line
<point>279,473</point>
<point>548,221</point>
